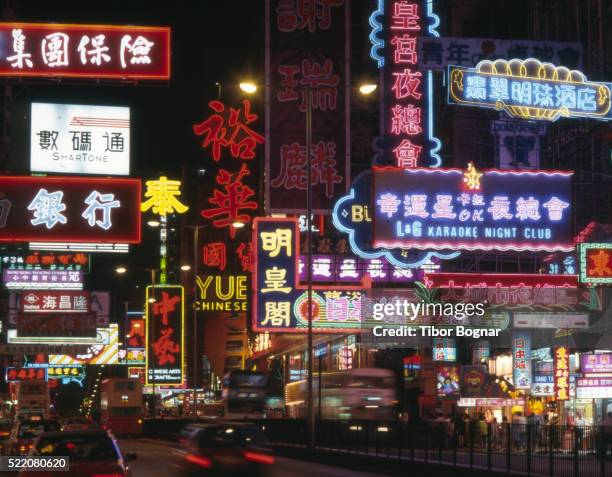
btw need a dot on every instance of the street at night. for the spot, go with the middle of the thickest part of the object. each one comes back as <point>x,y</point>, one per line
<point>306,237</point>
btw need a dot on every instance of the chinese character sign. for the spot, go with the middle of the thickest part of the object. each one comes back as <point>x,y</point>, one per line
<point>45,261</point>
<point>404,83</point>
<point>80,139</point>
<point>596,363</point>
<point>561,373</point>
<point>69,209</point>
<point>51,301</point>
<point>162,197</point>
<point>301,68</point>
<point>471,210</point>
<point>595,263</point>
<point>85,51</point>
<point>165,335</point>
<point>56,325</point>
<point>18,374</point>
<point>528,89</point>
<point>521,359</point>
<point>43,279</point>
<point>444,349</point>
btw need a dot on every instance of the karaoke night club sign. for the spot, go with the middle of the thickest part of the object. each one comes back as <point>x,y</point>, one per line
<point>529,89</point>
<point>454,209</point>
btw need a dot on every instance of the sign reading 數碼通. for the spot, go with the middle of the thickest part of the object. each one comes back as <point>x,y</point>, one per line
<point>80,139</point>
<point>452,209</point>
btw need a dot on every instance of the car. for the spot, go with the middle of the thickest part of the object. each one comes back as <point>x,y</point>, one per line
<point>90,452</point>
<point>225,448</point>
<point>24,432</point>
<point>75,424</point>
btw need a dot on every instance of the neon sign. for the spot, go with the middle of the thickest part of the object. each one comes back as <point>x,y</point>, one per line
<point>16,375</point>
<point>85,51</point>
<point>595,263</point>
<point>43,279</point>
<point>521,359</point>
<point>222,293</point>
<point>529,89</point>
<point>436,209</point>
<point>49,301</point>
<point>162,196</point>
<point>561,373</point>
<point>45,261</point>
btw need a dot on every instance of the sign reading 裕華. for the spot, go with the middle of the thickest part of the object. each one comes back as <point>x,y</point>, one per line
<point>529,89</point>
<point>454,209</point>
<point>80,139</point>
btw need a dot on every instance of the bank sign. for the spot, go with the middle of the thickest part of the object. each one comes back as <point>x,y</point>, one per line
<point>529,89</point>
<point>454,209</point>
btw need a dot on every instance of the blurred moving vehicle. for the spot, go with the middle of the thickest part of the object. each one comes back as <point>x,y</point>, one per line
<point>360,393</point>
<point>33,398</point>
<point>225,448</point>
<point>121,406</point>
<point>75,424</point>
<point>91,453</point>
<point>24,433</point>
<point>5,430</point>
<point>244,394</point>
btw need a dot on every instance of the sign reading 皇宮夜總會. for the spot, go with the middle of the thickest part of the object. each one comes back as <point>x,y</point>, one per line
<point>85,51</point>
<point>69,209</point>
<point>80,139</point>
<point>529,89</point>
<point>452,209</point>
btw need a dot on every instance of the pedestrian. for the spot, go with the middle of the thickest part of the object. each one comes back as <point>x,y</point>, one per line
<point>482,431</point>
<point>459,430</point>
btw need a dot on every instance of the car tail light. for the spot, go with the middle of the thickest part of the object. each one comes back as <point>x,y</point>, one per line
<point>199,460</point>
<point>4,434</point>
<point>259,458</point>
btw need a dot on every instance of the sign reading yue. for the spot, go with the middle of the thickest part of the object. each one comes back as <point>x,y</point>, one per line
<point>80,139</point>
<point>452,209</point>
<point>529,89</point>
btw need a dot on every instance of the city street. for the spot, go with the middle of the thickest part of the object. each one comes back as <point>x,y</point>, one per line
<point>155,459</point>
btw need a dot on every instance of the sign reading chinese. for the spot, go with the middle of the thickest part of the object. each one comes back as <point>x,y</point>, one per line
<point>529,89</point>
<point>65,209</point>
<point>45,261</point>
<point>85,51</point>
<point>301,68</point>
<point>55,325</point>
<point>453,209</point>
<point>80,139</point>
<point>436,53</point>
<point>165,339</point>
<point>16,375</point>
<point>43,279</point>
<point>521,359</point>
<point>595,263</point>
<point>34,301</point>
<point>561,373</point>
<point>596,363</point>
<point>444,349</point>
<point>280,303</point>
<point>222,293</point>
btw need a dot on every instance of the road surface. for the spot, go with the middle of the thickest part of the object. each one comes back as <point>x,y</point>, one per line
<point>154,461</point>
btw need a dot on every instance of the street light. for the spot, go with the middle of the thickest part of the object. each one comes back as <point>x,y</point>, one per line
<point>248,87</point>
<point>367,88</point>
<point>153,223</point>
<point>238,224</point>
<point>185,267</point>
<point>120,270</point>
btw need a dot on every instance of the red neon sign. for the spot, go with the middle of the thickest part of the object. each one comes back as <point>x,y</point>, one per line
<point>214,254</point>
<point>69,209</point>
<point>85,51</point>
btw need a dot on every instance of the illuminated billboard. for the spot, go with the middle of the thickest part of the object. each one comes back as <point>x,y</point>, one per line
<point>453,209</point>
<point>69,209</point>
<point>107,353</point>
<point>43,279</point>
<point>85,51</point>
<point>529,89</point>
<point>50,301</point>
<point>80,139</point>
<point>165,337</point>
<point>595,263</point>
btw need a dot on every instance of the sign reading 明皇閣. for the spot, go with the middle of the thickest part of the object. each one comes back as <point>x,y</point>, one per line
<point>529,89</point>
<point>165,337</point>
<point>85,51</point>
<point>69,209</point>
<point>80,139</point>
<point>452,209</point>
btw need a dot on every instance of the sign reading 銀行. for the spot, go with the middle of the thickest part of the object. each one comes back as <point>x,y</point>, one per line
<point>452,209</point>
<point>80,139</point>
<point>529,89</point>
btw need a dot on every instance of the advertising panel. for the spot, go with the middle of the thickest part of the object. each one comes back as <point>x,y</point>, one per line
<point>50,301</point>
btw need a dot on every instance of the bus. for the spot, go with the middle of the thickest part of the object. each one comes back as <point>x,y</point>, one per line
<point>33,399</point>
<point>121,406</point>
<point>360,393</point>
<point>244,394</point>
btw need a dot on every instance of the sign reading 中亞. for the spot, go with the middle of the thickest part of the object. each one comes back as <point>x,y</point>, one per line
<point>80,139</point>
<point>85,51</point>
<point>595,263</point>
<point>529,89</point>
<point>521,359</point>
<point>280,302</point>
<point>452,209</point>
<point>69,209</point>
<point>165,319</point>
